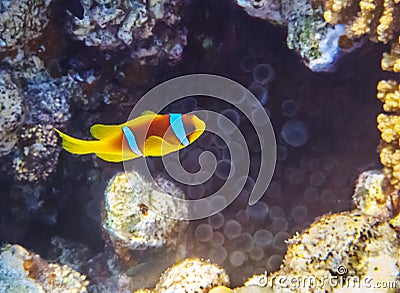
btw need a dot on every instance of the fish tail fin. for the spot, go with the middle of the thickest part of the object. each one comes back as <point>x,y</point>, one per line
<point>79,146</point>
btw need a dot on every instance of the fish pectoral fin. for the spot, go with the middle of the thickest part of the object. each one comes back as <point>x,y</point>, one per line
<point>101,131</point>
<point>155,146</point>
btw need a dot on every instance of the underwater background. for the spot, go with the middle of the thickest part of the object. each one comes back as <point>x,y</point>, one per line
<point>323,71</point>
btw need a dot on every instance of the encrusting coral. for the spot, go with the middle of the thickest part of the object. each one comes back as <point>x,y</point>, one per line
<point>339,251</point>
<point>191,275</point>
<point>21,21</point>
<point>22,271</point>
<point>151,28</point>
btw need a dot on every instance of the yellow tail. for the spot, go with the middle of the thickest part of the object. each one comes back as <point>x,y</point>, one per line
<point>79,146</point>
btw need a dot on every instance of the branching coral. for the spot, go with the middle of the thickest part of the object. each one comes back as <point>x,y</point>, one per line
<point>379,19</point>
<point>391,61</point>
<point>389,125</point>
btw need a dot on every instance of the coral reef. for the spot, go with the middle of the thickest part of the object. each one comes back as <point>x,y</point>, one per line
<point>391,60</point>
<point>378,19</point>
<point>45,100</point>
<point>11,113</point>
<point>152,29</point>
<point>23,271</point>
<point>369,195</point>
<point>190,275</point>
<point>131,224</point>
<point>308,33</point>
<point>360,244</point>
<point>21,21</point>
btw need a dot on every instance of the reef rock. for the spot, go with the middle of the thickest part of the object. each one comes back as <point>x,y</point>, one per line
<point>151,29</point>
<point>22,271</point>
<point>131,224</point>
<point>21,21</point>
<point>11,112</point>
<point>190,275</point>
<point>309,34</point>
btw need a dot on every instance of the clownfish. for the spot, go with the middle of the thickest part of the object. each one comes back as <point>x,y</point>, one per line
<point>149,135</point>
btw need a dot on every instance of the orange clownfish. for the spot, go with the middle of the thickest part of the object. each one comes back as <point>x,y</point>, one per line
<point>150,134</point>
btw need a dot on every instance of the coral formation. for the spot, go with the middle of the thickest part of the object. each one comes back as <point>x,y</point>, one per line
<point>23,271</point>
<point>131,224</point>
<point>11,112</point>
<point>369,195</point>
<point>191,275</point>
<point>361,244</point>
<point>378,19</point>
<point>391,60</point>
<point>308,33</point>
<point>45,100</point>
<point>21,21</point>
<point>151,29</point>
<point>388,124</point>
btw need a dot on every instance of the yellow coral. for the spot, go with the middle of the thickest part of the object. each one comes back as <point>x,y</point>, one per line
<point>389,94</point>
<point>373,17</point>
<point>391,61</point>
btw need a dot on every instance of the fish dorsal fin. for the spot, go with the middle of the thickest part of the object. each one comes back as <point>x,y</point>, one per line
<point>148,112</point>
<point>101,131</point>
<point>155,146</point>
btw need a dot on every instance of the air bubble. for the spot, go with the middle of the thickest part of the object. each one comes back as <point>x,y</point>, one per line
<point>279,240</point>
<point>218,202</point>
<point>232,229</point>
<point>280,225</point>
<point>327,196</point>
<point>218,254</point>
<point>218,239</point>
<point>294,176</point>
<point>223,168</point>
<point>225,125</point>
<point>238,150</point>
<point>258,116</point>
<point>281,153</point>
<point>219,142</point>
<point>290,108</point>
<point>263,238</point>
<point>260,93</point>
<point>216,221</point>
<point>248,63</point>
<point>242,217</point>
<point>317,179</point>
<point>274,262</point>
<point>245,242</point>
<point>276,212</point>
<point>299,214</point>
<point>263,74</point>
<point>295,133</point>
<point>256,254</point>
<point>203,233</point>
<point>237,258</point>
<point>196,191</point>
<point>232,115</point>
<point>258,211</point>
<point>311,194</point>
